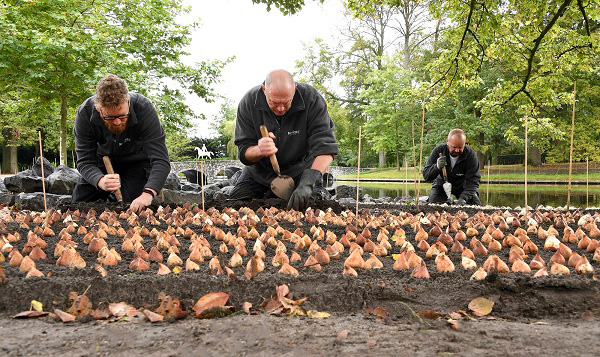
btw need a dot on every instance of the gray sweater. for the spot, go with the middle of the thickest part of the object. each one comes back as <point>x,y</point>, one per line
<point>303,133</point>
<point>142,142</point>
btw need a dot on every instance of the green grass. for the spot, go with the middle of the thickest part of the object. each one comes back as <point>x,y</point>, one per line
<point>400,175</point>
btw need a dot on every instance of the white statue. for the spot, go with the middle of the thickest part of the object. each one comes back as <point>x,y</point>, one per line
<point>203,153</point>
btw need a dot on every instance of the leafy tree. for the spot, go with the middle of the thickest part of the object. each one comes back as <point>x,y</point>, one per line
<point>55,51</point>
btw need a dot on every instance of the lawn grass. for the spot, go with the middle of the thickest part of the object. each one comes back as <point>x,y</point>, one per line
<point>391,174</point>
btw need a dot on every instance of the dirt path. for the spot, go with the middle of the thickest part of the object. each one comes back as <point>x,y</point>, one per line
<point>266,336</point>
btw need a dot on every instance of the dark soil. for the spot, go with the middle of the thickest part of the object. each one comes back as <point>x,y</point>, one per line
<point>569,306</point>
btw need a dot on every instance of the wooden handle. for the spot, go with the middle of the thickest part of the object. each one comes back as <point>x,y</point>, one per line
<point>110,170</point>
<point>444,170</point>
<point>265,134</point>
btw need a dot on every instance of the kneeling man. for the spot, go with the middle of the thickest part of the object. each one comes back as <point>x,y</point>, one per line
<point>125,127</point>
<point>463,171</point>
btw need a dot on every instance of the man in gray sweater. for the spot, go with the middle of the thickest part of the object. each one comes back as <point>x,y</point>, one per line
<point>300,135</point>
<point>125,127</point>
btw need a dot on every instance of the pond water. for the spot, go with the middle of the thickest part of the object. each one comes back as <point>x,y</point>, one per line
<point>501,195</point>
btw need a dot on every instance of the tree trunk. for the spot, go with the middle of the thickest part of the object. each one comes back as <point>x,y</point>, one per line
<point>535,156</point>
<point>381,158</point>
<point>63,131</point>
<point>9,152</point>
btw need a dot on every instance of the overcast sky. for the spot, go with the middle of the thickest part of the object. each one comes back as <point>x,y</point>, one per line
<point>259,40</point>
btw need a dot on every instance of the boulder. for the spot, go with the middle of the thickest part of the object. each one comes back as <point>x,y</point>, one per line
<point>37,169</point>
<point>328,181</point>
<point>8,198</point>
<point>193,176</point>
<point>63,180</point>
<point>172,182</point>
<point>348,202</point>
<point>2,187</point>
<point>24,181</point>
<point>345,191</point>
<point>35,201</point>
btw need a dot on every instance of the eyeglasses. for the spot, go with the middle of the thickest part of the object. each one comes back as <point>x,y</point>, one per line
<point>121,117</point>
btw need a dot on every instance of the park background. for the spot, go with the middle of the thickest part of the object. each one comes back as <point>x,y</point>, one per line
<point>405,72</point>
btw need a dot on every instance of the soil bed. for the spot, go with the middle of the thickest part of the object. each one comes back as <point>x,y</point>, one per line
<point>519,299</point>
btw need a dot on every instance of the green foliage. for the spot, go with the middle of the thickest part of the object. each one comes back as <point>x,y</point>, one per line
<point>226,124</point>
<point>287,7</point>
<point>179,146</point>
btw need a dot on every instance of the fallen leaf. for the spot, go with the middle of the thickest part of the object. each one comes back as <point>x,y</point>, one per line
<point>317,315</point>
<point>123,309</point>
<point>282,291</point>
<point>216,311</point>
<point>209,301</point>
<point>177,270</point>
<point>82,306</point>
<point>169,307</point>
<point>152,316</point>
<point>37,306</point>
<point>29,314</point>
<point>481,306</point>
<point>273,306</point>
<point>380,312</point>
<point>453,324</point>
<point>63,316</point>
<point>2,276</point>
<point>455,315</point>
<point>342,335</point>
<point>100,314</point>
<point>247,306</point>
<point>428,314</point>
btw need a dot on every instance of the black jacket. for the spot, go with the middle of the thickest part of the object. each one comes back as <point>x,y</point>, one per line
<point>464,176</point>
<point>304,132</point>
<point>142,141</point>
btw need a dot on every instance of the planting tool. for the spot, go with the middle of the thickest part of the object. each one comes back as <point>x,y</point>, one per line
<point>282,185</point>
<point>109,169</point>
<point>447,185</point>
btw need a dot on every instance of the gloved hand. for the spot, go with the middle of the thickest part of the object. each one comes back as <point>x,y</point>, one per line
<point>302,193</point>
<point>441,162</point>
<point>460,202</point>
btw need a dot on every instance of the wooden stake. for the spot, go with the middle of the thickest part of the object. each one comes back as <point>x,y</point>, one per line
<point>197,159</point>
<point>42,165</point>
<point>526,147</point>
<point>405,175</point>
<point>487,190</point>
<point>571,149</point>
<point>358,173</point>
<point>415,163</point>
<point>202,181</point>
<point>587,182</point>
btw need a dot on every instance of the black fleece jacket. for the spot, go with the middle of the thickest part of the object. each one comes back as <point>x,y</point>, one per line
<point>464,176</point>
<point>142,141</point>
<point>304,132</point>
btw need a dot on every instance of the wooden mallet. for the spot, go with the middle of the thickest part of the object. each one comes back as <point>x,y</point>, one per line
<point>109,169</point>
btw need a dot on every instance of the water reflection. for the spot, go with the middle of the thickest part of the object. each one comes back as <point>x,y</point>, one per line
<point>501,195</point>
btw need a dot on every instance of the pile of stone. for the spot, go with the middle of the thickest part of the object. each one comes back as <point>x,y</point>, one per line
<point>25,189</point>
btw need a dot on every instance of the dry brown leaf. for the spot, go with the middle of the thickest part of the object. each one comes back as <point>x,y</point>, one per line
<point>481,306</point>
<point>152,316</point>
<point>123,309</point>
<point>428,314</point>
<point>246,306</point>
<point>209,301</point>
<point>82,306</point>
<point>63,316</point>
<point>29,314</point>
<point>282,291</point>
<point>100,314</point>
<point>455,316</point>
<point>453,324</point>
<point>169,307</point>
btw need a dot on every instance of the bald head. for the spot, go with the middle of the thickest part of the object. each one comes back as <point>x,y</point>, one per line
<point>279,89</point>
<point>456,142</point>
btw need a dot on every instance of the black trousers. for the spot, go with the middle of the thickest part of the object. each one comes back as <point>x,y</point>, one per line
<point>438,195</point>
<point>133,179</point>
<point>245,188</point>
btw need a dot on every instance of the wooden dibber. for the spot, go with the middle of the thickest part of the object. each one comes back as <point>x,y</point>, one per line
<point>110,170</point>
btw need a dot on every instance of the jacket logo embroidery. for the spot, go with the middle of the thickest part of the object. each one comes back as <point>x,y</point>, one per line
<point>460,174</point>
<point>295,132</point>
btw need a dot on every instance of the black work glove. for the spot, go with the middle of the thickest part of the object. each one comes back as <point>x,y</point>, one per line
<point>441,162</point>
<point>460,201</point>
<point>302,193</point>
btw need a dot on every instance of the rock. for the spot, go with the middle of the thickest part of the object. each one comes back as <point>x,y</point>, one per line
<point>345,191</point>
<point>193,176</point>
<point>24,181</point>
<point>63,180</point>
<point>2,187</point>
<point>8,198</point>
<point>186,186</point>
<point>180,197</point>
<point>35,201</point>
<point>172,182</point>
<point>328,181</point>
<point>37,169</point>
<point>230,171</point>
<point>347,202</point>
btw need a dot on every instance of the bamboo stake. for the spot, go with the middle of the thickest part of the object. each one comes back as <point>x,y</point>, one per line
<point>197,159</point>
<point>42,166</point>
<point>526,165</point>
<point>421,149</point>
<point>405,175</point>
<point>202,181</point>
<point>358,173</point>
<point>587,182</point>
<point>415,163</point>
<point>571,149</point>
<point>487,189</point>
